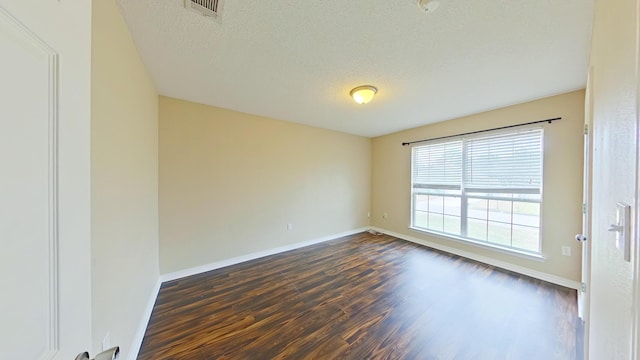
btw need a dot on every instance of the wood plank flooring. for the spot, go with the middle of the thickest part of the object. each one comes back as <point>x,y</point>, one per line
<point>362,297</point>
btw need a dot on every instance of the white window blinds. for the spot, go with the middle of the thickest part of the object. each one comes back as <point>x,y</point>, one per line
<point>505,163</point>
<point>438,166</point>
<point>481,188</point>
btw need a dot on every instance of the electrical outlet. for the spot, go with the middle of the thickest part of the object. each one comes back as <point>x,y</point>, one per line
<point>369,214</point>
<point>385,216</point>
<point>106,342</point>
<point>289,227</point>
<point>566,250</point>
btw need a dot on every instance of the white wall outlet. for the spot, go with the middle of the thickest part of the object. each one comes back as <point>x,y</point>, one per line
<point>385,216</point>
<point>289,227</point>
<point>368,214</point>
<point>566,250</point>
<point>106,342</point>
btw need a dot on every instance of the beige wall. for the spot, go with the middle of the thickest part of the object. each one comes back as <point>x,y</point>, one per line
<point>563,163</point>
<point>231,182</point>
<point>124,181</point>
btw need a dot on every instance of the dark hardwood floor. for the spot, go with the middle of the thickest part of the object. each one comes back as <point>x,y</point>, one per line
<point>362,297</point>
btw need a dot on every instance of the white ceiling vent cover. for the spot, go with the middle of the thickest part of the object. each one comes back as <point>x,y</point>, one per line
<point>210,8</point>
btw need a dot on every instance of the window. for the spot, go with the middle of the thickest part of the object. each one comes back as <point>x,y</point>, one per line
<point>482,189</point>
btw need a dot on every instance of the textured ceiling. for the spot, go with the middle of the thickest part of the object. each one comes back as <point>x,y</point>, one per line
<point>297,60</point>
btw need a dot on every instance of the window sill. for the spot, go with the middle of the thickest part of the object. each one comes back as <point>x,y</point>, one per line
<point>522,254</point>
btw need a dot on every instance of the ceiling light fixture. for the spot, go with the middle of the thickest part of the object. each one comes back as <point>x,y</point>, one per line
<point>363,94</point>
<point>428,6</point>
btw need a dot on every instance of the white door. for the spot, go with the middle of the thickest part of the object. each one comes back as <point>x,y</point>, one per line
<point>27,202</point>
<point>45,293</point>
<point>614,90</point>
<point>635,350</point>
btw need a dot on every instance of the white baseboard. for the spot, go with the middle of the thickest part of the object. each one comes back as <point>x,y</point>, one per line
<point>144,322</point>
<point>558,280</point>
<point>256,255</point>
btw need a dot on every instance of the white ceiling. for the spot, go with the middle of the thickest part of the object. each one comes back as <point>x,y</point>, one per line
<point>297,60</point>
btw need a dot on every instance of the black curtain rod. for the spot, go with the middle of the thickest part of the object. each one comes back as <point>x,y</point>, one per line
<point>481,131</point>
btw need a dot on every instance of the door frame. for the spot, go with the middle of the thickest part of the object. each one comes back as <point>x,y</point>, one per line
<point>584,296</point>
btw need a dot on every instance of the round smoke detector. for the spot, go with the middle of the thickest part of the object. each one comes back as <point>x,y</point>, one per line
<point>428,6</point>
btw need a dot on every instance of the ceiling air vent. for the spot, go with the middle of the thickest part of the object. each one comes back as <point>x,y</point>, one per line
<point>209,8</point>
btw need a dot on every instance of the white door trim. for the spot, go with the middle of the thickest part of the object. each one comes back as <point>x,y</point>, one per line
<point>584,297</point>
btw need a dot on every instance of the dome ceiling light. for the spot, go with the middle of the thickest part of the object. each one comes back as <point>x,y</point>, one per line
<point>428,6</point>
<point>363,94</point>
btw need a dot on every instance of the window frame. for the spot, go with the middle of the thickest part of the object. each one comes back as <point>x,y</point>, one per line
<point>464,197</point>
